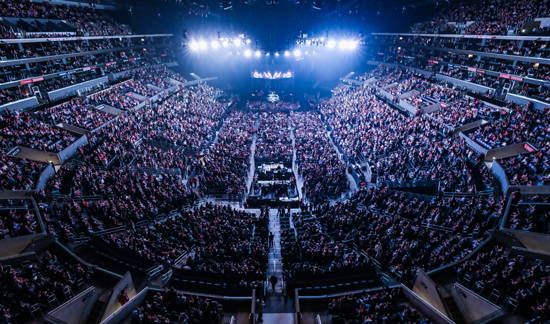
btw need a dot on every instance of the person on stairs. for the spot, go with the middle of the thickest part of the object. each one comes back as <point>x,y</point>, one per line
<point>260,306</point>
<point>273,281</point>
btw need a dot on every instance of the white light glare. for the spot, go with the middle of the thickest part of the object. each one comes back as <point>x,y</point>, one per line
<point>331,43</point>
<point>247,53</point>
<point>287,53</point>
<point>225,43</point>
<point>297,52</point>
<point>258,53</point>
<point>276,53</point>
<point>194,46</point>
<point>343,44</point>
<point>248,41</point>
<point>215,44</point>
<point>352,45</point>
<point>203,45</point>
<point>237,42</point>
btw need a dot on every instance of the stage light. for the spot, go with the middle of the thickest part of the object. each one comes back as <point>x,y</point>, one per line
<point>343,44</point>
<point>248,41</point>
<point>194,46</point>
<point>203,45</point>
<point>215,44</point>
<point>331,44</point>
<point>258,53</point>
<point>287,53</point>
<point>276,53</point>
<point>237,42</point>
<point>266,54</point>
<point>247,53</point>
<point>352,45</point>
<point>225,43</point>
<point>297,52</point>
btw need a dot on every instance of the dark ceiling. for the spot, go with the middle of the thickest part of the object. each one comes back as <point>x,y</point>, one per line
<point>273,25</point>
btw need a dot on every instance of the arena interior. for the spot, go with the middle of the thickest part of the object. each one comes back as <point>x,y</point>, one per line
<point>293,161</point>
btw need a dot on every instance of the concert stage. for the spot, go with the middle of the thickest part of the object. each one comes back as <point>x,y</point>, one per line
<point>274,185</point>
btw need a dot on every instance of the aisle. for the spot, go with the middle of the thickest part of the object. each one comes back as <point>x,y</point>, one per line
<point>278,308</point>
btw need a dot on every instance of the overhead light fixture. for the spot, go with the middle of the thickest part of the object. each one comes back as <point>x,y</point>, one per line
<point>194,46</point>
<point>258,53</point>
<point>287,53</point>
<point>203,45</point>
<point>297,52</point>
<point>331,44</point>
<point>215,44</point>
<point>247,53</point>
<point>237,42</point>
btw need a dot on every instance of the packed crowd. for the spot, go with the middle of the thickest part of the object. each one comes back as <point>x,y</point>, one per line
<point>228,163</point>
<point>466,111</point>
<point>318,162</point>
<point>77,112</point>
<point>315,252</point>
<point>277,105</point>
<point>87,20</point>
<point>519,278</point>
<point>373,307</point>
<point>395,228</point>
<point>115,97</point>
<point>490,18</point>
<point>17,218</point>
<point>35,283</point>
<point>23,129</point>
<point>531,218</point>
<point>273,143</point>
<point>19,174</point>
<point>528,169</point>
<point>171,306</point>
<point>519,124</point>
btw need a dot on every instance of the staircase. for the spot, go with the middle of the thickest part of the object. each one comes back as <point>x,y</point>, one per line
<point>456,316</point>
<point>95,313</point>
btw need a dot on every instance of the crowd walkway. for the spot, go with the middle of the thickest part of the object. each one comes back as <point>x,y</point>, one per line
<point>278,308</point>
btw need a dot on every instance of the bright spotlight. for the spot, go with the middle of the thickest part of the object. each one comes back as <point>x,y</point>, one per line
<point>203,45</point>
<point>266,54</point>
<point>276,53</point>
<point>237,42</point>
<point>343,44</point>
<point>215,44</point>
<point>258,53</point>
<point>248,41</point>
<point>352,45</point>
<point>225,43</point>
<point>287,53</point>
<point>297,52</point>
<point>247,53</point>
<point>194,46</point>
<point>331,43</point>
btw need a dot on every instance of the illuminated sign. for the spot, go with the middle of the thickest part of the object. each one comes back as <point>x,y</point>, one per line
<point>272,75</point>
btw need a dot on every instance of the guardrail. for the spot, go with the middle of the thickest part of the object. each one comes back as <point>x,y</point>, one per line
<point>252,315</point>
<point>297,314</point>
<point>183,255</point>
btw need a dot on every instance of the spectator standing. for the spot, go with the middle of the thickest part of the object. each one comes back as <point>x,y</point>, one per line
<point>273,281</point>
